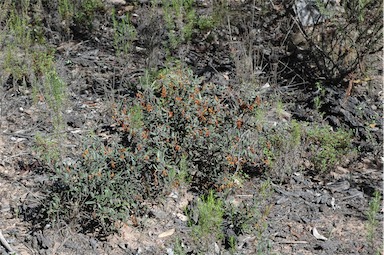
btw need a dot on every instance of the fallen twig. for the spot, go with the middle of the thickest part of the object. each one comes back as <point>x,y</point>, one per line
<point>6,244</point>
<point>293,242</point>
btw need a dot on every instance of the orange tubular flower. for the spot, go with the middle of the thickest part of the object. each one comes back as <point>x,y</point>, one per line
<point>85,153</point>
<point>230,160</point>
<point>258,101</point>
<point>148,107</point>
<point>207,133</point>
<point>144,135</point>
<point>239,123</point>
<point>163,92</point>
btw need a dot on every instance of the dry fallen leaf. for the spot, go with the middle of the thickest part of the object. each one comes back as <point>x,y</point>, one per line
<point>373,125</point>
<point>167,233</point>
<point>317,235</point>
<point>116,2</point>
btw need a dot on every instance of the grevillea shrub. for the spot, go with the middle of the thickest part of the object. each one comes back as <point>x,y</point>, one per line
<point>177,118</point>
<point>174,129</point>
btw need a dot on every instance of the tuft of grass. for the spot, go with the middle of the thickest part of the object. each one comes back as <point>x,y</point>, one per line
<point>48,87</point>
<point>86,11</point>
<point>372,212</point>
<point>15,65</point>
<point>328,148</point>
<point>18,24</point>
<point>17,43</point>
<point>206,23</point>
<point>178,248</point>
<point>66,9</point>
<point>318,100</point>
<point>79,14</point>
<point>51,90</point>
<point>180,19</point>
<point>282,149</point>
<point>124,33</point>
<point>47,150</point>
<point>251,217</point>
<point>136,117</point>
<point>34,70</point>
<point>210,220</point>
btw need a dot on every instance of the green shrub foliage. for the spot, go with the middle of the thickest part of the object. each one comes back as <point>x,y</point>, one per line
<point>176,117</point>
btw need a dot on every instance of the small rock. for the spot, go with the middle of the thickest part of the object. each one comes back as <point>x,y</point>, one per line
<point>217,249</point>
<point>323,199</point>
<point>332,203</point>
<point>173,195</point>
<point>214,249</point>
<point>139,251</point>
<point>182,217</point>
<point>93,243</point>
<point>170,251</point>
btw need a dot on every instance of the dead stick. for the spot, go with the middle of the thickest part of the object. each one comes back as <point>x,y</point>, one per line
<point>6,244</point>
<point>293,242</point>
